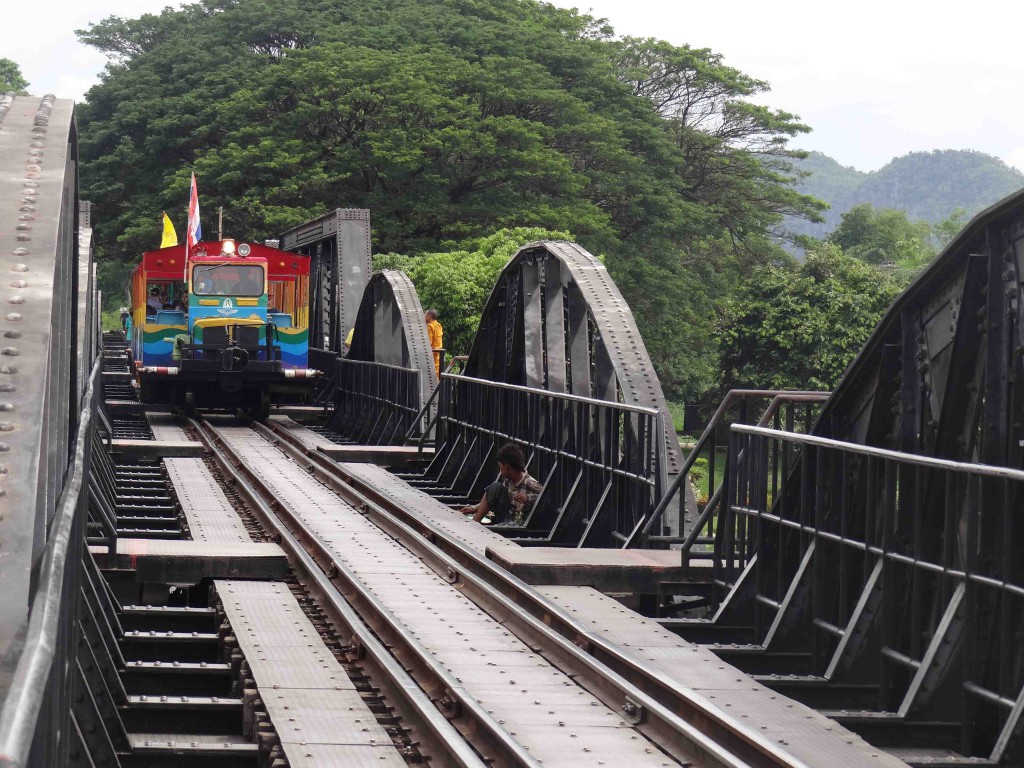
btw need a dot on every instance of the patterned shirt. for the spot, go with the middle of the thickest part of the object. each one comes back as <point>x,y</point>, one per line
<point>526,485</point>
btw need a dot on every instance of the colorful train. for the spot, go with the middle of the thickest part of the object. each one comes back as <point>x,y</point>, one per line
<point>226,326</point>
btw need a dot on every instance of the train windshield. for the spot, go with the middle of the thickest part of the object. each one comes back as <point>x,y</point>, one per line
<point>227,279</point>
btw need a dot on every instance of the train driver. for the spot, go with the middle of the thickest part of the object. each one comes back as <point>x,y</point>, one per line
<point>154,304</point>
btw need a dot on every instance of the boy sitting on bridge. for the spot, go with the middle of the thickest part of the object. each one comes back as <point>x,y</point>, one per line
<point>512,495</point>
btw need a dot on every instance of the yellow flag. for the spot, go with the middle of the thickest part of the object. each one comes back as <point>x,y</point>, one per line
<point>170,236</point>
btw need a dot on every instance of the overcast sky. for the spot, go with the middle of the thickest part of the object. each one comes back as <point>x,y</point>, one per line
<point>874,79</point>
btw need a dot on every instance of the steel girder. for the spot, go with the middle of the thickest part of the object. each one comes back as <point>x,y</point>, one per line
<point>938,376</point>
<point>338,244</point>
<point>556,321</point>
<point>390,329</point>
<point>46,369</point>
<point>878,558</point>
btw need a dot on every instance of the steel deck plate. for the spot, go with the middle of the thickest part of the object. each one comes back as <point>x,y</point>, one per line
<point>805,733</point>
<point>323,717</point>
<point>544,703</point>
<point>457,637</point>
<point>319,716</point>
<point>209,514</point>
<point>175,561</point>
<point>165,427</point>
<point>396,490</point>
<point>344,756</point>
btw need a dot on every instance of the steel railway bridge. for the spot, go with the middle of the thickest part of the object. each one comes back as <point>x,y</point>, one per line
<point>302,592</point>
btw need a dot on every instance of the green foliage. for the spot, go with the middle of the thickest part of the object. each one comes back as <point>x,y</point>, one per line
<point>449,119</point>
<point>944,231</point>
<point>11,78</point>
<point>800,328</point>
<point>113,278</point>
<point>883,236</point>
<point>457,283</point>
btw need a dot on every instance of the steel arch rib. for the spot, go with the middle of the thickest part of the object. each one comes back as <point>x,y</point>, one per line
<point>937,376</point>
<point>579,337</point>
<point>47,355</point>
<point>390,329</point>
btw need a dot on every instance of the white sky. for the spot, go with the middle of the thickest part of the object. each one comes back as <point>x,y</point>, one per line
<point>874,79</point>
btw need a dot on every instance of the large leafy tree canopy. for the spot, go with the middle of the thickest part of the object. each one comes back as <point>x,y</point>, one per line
<point>883,236</point>
<point>800,328</point>
<point>449,120</point>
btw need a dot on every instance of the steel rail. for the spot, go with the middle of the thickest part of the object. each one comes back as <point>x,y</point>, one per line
<point>416,708</point>
<point>28,686</point>
<point>342,589</point>
<point>671,711</point>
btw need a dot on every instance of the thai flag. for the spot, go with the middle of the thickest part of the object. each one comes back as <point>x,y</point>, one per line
<point>195,230</point>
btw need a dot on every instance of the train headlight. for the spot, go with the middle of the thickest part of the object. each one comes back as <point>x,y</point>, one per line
<point>244,249</point>
<point>228,247</point>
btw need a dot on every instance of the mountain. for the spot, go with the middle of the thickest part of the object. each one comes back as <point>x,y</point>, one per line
<point>927,185</point>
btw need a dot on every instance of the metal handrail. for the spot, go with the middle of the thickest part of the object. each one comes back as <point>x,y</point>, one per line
<point>28,686</point>
<point>716,420</point>
<point>1004,473</point>
<point>627,407</point>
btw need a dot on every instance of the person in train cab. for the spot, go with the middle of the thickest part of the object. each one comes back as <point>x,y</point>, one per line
<point>512,495</point>
<point>436,334</point>
<point>154,303</point>
<point>248,285</point>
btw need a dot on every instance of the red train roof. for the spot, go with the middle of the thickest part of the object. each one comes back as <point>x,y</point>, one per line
<point>169,263</point>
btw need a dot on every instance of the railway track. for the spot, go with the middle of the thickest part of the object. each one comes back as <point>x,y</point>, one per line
<point>478,666</point>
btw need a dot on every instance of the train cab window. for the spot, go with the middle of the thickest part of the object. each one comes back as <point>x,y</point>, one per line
<point>227,280</point>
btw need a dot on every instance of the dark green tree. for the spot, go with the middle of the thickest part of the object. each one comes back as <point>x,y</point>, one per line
<point>457,283</point>
<point>11,78</point>
<point>883,236</point>
<point>449,119</point>
<point>800,328</point>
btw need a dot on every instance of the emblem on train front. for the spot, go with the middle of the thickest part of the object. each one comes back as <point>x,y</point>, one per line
<point>228,308</point>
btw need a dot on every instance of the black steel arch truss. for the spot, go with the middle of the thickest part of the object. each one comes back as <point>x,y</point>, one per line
<point>878,558</point>
<point>338,244</point>
<point>558,365</point>
<point>555,320</point>
<point>388,375</point>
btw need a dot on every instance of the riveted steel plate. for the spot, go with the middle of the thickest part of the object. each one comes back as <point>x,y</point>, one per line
<point>323,717</point>
<point>347,756</point>
<point>210,516</point>
<point>315,709</point>
<point>512,681</point>
<point>805,733</point>
<point>507,660</point>
<point>308,436</point>
<point>461,634</point>
<point>166,428</point>
<point>293,674</point>
<point>546,703</point>
<point>619,624</point>
<point>588,746</point>
<point>38,157</point>
<point>143,742</point>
